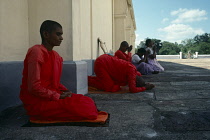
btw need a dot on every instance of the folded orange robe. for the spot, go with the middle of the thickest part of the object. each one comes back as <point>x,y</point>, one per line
<point>101,118</point>
<point>121,55</point>
<point>111,73</point>
<point>41,89</point>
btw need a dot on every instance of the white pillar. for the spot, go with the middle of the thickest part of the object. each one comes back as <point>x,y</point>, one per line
<point>180,55</point>
<point>196,54</point>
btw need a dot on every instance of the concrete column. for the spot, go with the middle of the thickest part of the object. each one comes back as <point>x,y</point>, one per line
<point>180,55</point>
<point>128,36</point>
<point>120,32</point>
<point>76,30</point>
<point>196,54</point>
<point>41,10</point>
<point>14,29</point>
<point>124,22</point>
<point>101,25</point>
<point>11,76</point>
<point>74,76</point>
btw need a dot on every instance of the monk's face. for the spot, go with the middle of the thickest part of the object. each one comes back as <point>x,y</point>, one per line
<point>124,49</point>
<point>151,43</point>
<point>55,37</point>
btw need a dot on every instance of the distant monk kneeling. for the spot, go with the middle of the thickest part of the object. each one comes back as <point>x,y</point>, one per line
<point>111,73</point>
<point>124,46</point>
<point>42,94</point>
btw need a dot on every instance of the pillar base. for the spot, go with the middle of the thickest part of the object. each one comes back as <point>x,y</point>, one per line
<point>74,76</point>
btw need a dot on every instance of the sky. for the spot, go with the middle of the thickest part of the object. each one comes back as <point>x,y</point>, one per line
<point>171,20</point>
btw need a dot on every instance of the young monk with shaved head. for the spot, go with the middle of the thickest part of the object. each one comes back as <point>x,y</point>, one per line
<point>42,94</point>
<point>124,46</point>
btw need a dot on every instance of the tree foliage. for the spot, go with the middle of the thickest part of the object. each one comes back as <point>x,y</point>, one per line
<point>169,48</point>
<point>200,44</point>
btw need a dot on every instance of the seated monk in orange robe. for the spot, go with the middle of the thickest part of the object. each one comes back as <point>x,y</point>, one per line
<point>121,52</point>
<point>111,73</point>
<point>42,94</point>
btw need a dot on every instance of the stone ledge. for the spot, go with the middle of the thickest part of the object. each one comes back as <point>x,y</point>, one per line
<point>90,66</point>
<point>11,76</point>
<point>74,77</point>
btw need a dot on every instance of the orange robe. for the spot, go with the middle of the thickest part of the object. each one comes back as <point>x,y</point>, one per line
<point>121,55</point>
<point>41,89</point>
<point>111,73</point>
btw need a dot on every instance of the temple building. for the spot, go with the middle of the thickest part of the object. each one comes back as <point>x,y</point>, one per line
<point>83,22</point>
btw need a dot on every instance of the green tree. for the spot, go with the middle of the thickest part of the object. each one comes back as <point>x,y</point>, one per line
<point>200,44</point>
<point>202,38</point>
<point>169,48</point>
<point>202,48</point>
<point>188,45</point>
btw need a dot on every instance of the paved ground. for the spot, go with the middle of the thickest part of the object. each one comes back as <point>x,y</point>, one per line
<point>177,109</point>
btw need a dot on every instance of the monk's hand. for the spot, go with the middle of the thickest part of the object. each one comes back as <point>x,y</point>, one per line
<point>63,95</point>
<point>149,86</point>
<point>130,48</point>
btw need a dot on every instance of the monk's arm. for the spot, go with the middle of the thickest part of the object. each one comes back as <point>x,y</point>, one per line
<point>120,55</point>
<point>34,83</point>
<point>129,56</point>
<point>62,87</point>
<point>126,57</point>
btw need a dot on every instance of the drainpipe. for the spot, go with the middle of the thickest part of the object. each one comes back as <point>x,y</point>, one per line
<point>91,29</point>
<point>113,24</point>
